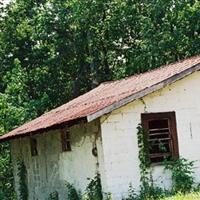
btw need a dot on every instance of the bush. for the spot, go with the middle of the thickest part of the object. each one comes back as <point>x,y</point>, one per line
<point>72,194</point>
<point>182,174</point>
<point>94,189</point>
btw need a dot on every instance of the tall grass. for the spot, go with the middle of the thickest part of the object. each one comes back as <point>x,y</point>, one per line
<point>190,196</point>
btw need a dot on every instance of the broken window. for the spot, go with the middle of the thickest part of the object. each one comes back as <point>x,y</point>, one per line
<point>161,135</point>
<point>65,140</point>
<point>33,144</point>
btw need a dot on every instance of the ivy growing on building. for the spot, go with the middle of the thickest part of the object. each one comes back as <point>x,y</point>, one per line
<point>181,172</point>
<point>143,157</point>
<point>23,188</point>
<point>94,189</point>
<point>148,190</point>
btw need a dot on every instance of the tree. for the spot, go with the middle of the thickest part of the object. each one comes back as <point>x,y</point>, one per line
<point>52,51</point>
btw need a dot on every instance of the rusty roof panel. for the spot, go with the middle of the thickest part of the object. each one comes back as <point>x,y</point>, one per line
<point>99,98</point>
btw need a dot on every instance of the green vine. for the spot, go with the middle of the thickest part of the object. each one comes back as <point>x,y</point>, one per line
<point>53,196</point>
<point>72,193</point>
<point>94,189</point>
<point>23,188</point>
<point>143,157</point>
<point>148,189</point>
<point>182,174</point>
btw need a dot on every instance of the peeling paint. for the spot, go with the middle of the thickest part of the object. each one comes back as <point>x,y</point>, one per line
<point>52,169</point>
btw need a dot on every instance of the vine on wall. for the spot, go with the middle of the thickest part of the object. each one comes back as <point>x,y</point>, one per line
<point>182,174</point>
<point>23,188</point>
<point>182,178</point>
<point>54,196</point>
<point>94,189</point>
<point>72,193</point>
<point>143,157</point>
<point>181,169</point>
<point>148,190</point>
<point>92,192</point>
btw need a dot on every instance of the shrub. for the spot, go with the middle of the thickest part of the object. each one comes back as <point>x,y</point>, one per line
<point>182,174</point>
<point>94,189</point>
<point>72,193</point>
<point>23,188</point>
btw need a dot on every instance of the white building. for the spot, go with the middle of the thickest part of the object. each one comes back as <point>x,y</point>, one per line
<point>60,146</point>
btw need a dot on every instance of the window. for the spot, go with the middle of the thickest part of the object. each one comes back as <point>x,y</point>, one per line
<point>33,144</point>
<point>65,140</point>
<point>161,135</point>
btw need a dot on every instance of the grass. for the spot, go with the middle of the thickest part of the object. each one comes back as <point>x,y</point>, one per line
<point>191,196</point>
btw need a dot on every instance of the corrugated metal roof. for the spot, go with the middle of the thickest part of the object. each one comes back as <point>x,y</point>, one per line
<point>101,97</point>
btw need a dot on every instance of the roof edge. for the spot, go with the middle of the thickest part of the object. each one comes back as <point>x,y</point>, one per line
<point>7,137</point>
<point>143,93</point>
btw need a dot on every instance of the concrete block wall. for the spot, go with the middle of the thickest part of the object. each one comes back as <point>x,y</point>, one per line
<point>52,169</point>
<point>119,134</point>
<point>116,138</point>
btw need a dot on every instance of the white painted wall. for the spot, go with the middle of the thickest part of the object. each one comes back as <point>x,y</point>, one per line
<point>52,168</point>
<point>118,150</point>
<point>119,134</point>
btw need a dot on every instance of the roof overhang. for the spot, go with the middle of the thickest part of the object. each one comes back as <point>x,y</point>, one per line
<point>144,92</point>
<point>172,76</point>
<point>45,130</point>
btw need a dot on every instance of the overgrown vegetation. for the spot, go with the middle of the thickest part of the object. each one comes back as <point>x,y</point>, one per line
<point>92,192</point>
<point>179,196</point>
<point>94,189</point>
<point>23,187</point>
<point>54,196</point>
<point>72,193</point>
<point>182,175</point>
<point>182,179</point>
<point>6,177</point>
<point>181,170</point>
<point>144,161</point>
<point>147,189</point>
<point>52,51</point>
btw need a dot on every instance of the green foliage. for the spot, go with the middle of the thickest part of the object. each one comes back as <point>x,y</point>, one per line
<point>53,51</point>
<point>6,177</point>
<point>94,189</point>
<point>152,192</point>
<point>72,194</point>
<point>107,196</point>
<point>143,158</point>
<point>180,196</point>
<point>181,169</point>
<point>148,191</point>
<point>23,188</point>
<point>131,194</point>
<point>182,174</point>
<point>54,196</point>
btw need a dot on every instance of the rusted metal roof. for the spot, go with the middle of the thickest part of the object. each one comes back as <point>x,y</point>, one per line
<point>107,97</point>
